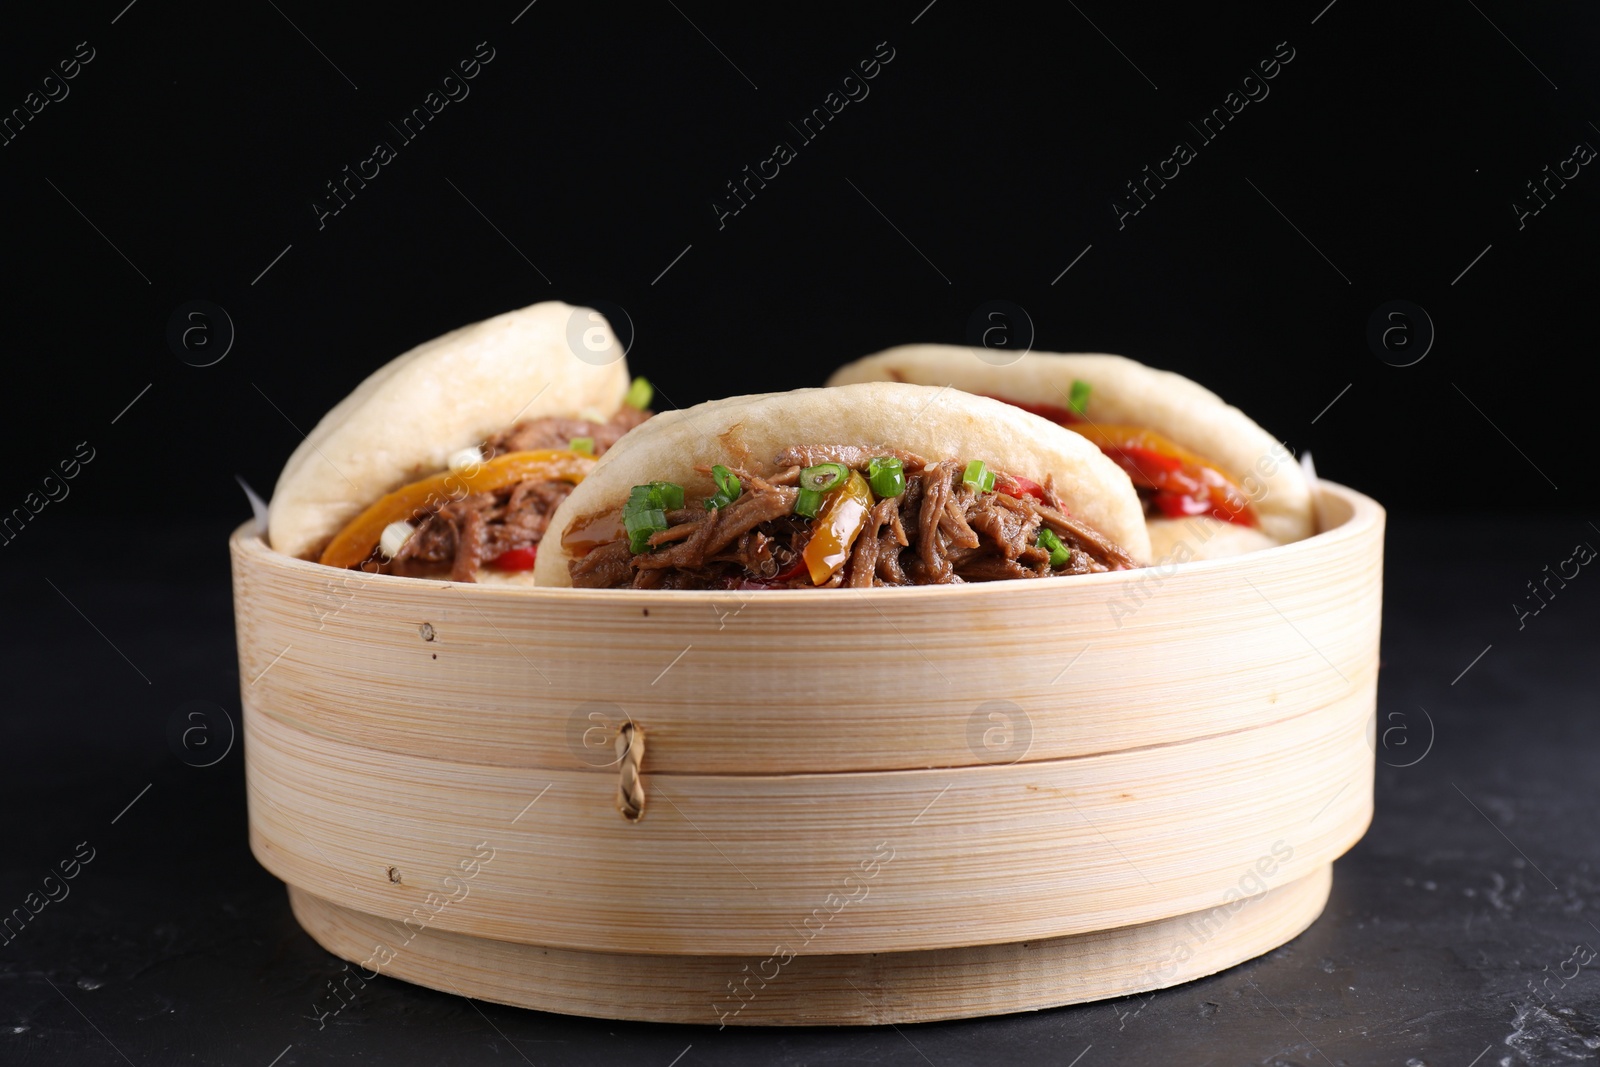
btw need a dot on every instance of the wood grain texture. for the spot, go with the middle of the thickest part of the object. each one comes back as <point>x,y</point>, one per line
<point>814,681</point>
<point>774,989</point>
<point>722,864</point>
<point>896,771</point>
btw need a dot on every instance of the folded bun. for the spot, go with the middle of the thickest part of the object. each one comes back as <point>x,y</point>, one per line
<point>409,415</point>
<point>749,432</point>
<point>1123,391</point>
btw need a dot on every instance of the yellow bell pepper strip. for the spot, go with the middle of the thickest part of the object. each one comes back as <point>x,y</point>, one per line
<point>843,515</point>
<point>355,542</point>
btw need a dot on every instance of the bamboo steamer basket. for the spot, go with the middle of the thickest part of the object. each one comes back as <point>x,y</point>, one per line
<point>819,806</point>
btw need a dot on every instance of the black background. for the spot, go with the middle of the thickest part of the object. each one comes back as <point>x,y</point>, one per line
<point>596,141</point>
<point>598,138</point>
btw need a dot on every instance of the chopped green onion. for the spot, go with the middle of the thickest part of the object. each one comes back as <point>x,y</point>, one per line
<point>581,444</point>
<point>1078,396</point>
<point>645,513</point>
<point>639,498</point>
<point>669,494</point>
<point>808,503</point>
<point>728,487</point>
<point>887,476</point>
<point>642,498</point>
<point>1059,553</point>
<point>641,525</point>
<point>823,477</point>
<point>642,516</point>
<point>979,476</point>
<point>639,393</point>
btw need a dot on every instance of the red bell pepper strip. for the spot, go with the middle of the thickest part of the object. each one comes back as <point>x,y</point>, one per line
<point>517,559</point>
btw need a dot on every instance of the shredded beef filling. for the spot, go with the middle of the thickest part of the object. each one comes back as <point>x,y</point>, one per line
<point>939,530</point>
<point>533,434</point>
<point>465,534</point>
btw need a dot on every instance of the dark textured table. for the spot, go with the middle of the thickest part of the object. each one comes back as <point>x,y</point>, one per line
<point>1459,933</point>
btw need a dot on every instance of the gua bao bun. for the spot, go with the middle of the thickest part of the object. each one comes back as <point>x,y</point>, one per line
<point>912,484</point>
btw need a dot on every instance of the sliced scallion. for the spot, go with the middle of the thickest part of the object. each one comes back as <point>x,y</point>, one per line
<point>640,393</point>
<point>640,497</point>
<point>645,513</point>
<point>728,488</point>
<point>641,524</point>
<point>808,502</point>
<point>823,477</point>
<point>887,476</point>
<point>1078,396</point>
<point>584,445</point>
<point>979,476</point>
<point>669,494</point>
<point>1059,552</point>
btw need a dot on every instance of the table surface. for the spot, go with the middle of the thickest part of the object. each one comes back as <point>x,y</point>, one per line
<point>1474,885</point>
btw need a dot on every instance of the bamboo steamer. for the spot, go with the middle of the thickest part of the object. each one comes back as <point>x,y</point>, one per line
<point>820,990</point>
<point>813,807</point>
